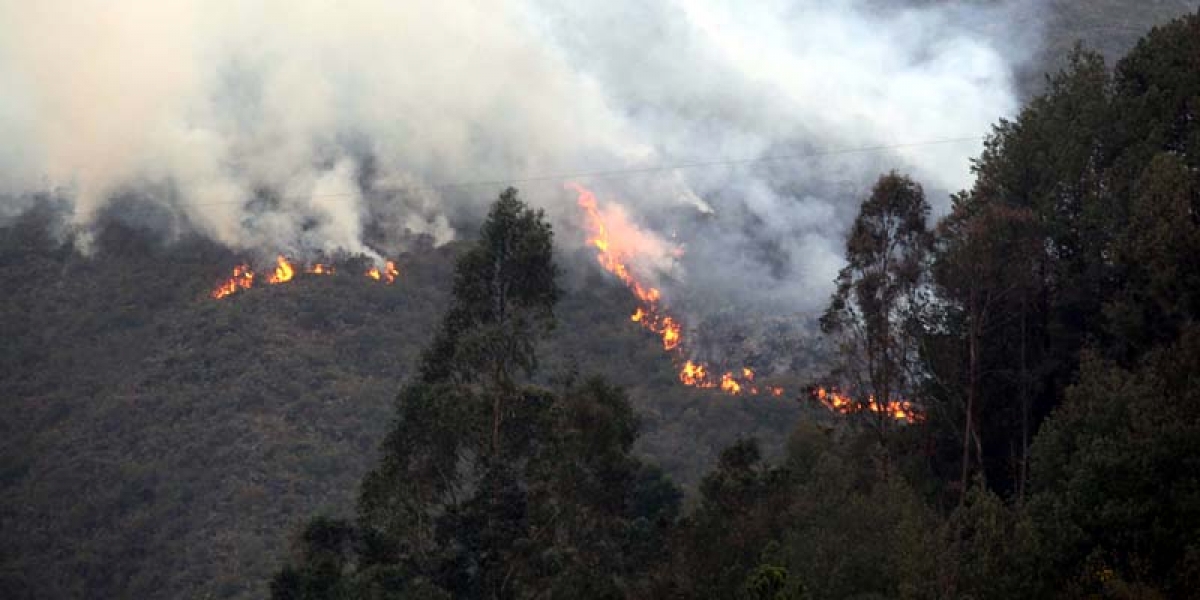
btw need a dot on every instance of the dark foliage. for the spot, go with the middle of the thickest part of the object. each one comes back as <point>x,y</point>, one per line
<point>160,444</point>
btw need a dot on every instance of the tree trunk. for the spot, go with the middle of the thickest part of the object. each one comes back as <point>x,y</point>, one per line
<point>972,387</point>
<point>496,426</point>
<point>1024,392</point>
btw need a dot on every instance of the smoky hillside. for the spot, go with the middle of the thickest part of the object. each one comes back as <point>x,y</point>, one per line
<point>167,442</point>
<point>173,425</point>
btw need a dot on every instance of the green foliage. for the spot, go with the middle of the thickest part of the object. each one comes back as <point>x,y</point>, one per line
<point>491,488</point>
<point>987,549</point>
<point>1161,290</point>
<point>158,443</point>
<point>725,535</point>
<point>980,339</point>
<point>1077,234</point>
<point>1115,474</point>
<point>826,518</point>
<point>503,299</point>
<point>769,582</point>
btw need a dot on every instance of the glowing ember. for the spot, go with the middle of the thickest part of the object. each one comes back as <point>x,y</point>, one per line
<point>319,269</point>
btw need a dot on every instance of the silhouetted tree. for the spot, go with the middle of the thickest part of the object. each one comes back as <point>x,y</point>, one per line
<point>489,486</point>
<point>876,310</point>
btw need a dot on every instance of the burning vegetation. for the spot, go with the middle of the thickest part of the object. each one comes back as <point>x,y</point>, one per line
<point>243,276</point>
<point>388,274</point>
<point>844,404</point>
<point>616,244</point>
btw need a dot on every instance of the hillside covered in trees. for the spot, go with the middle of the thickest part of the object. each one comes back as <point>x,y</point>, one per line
<point>158,443</point>
<point>1047,324</point>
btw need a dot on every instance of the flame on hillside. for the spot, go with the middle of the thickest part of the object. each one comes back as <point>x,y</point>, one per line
<point>283,271</point>
<point>388,274</point>
<point>842,403</point>
<point>244,277</point>
<point>617,242</point>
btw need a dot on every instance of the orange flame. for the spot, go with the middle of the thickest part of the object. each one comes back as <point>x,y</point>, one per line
<point>614,251</point>
<point>283,271</point>
<point>695,375</point>
<point>388,274</point>
<point>242,279</point>
<point>671,335</point>
<point>243,276</point>
<point>901,410</point>
<point>729,384</point>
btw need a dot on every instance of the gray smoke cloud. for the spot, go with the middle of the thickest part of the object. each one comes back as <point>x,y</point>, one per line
<point>297,126</point>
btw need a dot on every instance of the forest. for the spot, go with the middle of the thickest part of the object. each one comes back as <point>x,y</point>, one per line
<point>492,426</point>
<point>1046,325</point>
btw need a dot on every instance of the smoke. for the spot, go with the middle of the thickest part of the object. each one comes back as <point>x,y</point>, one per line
<point>304,126</point>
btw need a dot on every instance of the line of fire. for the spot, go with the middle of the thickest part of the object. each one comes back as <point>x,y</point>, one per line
<point>614,253</point>
<point>244,277</point>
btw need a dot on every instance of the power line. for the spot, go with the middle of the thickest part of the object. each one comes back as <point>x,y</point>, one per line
<point>619,173</point>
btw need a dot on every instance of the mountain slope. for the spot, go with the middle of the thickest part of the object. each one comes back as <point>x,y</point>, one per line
<point>159,443</point>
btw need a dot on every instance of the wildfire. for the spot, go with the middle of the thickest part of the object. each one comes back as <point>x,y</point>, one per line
<point>695,375</point>
<point>243,276</point>
<point>839,402</point>
<point>729,384</point>
<point>388,274</point>
<point>283,271</point>
<point>616,242</point>
<point>242,279</point>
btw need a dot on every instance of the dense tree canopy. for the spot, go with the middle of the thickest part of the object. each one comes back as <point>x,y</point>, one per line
<point>1046,326</point>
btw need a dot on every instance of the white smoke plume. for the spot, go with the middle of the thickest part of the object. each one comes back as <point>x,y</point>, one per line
<point>296,125</point>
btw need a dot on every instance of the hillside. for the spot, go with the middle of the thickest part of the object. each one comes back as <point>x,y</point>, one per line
<point>1110,27</point>
<point>158,442</point>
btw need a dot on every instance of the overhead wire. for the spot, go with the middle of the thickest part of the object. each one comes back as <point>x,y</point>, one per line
<point>614,173</point>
